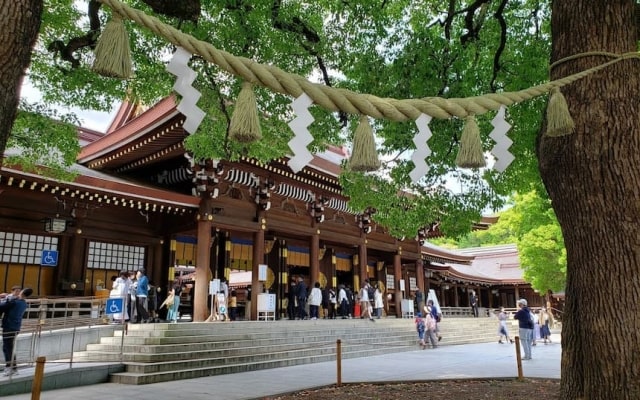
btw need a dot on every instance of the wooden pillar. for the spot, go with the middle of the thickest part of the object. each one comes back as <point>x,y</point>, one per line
<point>456,299</point>
<point>203,258</point>
<point>397,276</point>
<point>517,294</point>
<point>155,265</point>
<point>420,278</point>
<point>314,262</point>
<point>258,258</point>
<point>362,258</point>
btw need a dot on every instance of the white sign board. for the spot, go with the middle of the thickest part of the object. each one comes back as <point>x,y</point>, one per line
<point>266,302</point>
<point>402,285</point>
<point>262,272</point>
<point>413,285</point>
<point>214,286</point>
<point>390,282</point>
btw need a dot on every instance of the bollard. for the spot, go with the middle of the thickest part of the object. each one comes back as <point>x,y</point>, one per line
<point>339,361</point>
<point>36,387</point>
<point>519,359</point>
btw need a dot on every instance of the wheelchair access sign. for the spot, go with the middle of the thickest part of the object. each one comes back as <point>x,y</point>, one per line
<point>114,306</point>
<point>49,258</point>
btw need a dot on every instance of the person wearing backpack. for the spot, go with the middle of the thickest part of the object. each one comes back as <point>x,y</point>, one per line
<point>525,325</point>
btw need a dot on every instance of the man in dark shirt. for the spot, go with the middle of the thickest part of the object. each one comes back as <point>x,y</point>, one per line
<point>302,298</point>
<point>13,310</point>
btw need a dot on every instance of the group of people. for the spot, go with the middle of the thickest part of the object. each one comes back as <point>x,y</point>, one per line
<point>133,288</point>
<point>12,308</point>
<point>428,325</point>
<point>340,303</point>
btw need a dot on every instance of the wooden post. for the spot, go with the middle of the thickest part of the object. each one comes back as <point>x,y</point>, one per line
<point>339,362</point>
<point>201,285</point>
<point>314,262</point>
<point>36,387</point>
<point>397,275</point>
<point>258,257</point>
<point>519,359</point>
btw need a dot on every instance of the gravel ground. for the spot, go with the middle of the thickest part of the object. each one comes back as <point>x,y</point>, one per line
<point>437,390</point>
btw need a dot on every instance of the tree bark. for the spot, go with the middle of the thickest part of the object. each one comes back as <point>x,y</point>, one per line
<point>19,26</point>
<point>593,179</point>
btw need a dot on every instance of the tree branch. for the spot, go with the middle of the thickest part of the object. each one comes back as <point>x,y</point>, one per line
<point>66,51</point>
<point>503,42</point>
<point>188,10</point>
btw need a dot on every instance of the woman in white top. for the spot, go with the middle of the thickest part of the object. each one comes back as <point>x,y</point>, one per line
<point>378,303</point>
<point>315,299</point>
<point>120,290</point>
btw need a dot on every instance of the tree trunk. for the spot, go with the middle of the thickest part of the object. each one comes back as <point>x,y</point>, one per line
<point>19,26</point>
<point>593,179</point>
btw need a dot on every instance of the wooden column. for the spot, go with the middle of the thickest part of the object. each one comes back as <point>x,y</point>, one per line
<point>362,258</point>
<point>420,278</point>
<point>203,259</point>
<point>456,299</point>
<point>314,262</point>
<point>258,257</point>
<point>397,276</point>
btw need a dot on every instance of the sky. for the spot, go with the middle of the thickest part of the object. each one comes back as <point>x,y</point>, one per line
<point>95,120</point>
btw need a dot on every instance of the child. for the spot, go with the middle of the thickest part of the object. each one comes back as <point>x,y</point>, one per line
<point>420,327</point>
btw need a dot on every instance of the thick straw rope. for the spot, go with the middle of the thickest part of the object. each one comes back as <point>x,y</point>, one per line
<point>335,99</point>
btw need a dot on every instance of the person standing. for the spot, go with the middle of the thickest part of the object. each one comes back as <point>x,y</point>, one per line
<point>502,327</point>
<point>301,294</point>
<point>473,299</point>
<point>419,300</point>
<point>333,301</point>
<point>13,309</point>
<point>172,311</point>
<point>545,324</point>
<point>315,299</point>
<point>119,290</point>
<point>430,328</point>
<point>437,316</point>
<point>420,328</point>
<point>525,325</point>
<point>365,307</point>
<point>142,292</point>
<point>343,301</point>
<point>292,300</point>
<point>378,303</point>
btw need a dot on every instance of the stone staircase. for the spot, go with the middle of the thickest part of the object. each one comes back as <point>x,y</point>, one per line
<point>165,352</point>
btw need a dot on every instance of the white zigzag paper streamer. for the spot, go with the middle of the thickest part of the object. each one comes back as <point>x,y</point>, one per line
<point>302,137</point>
<point>422,148</point>
<point>190,95</point>
<point>499,134</point>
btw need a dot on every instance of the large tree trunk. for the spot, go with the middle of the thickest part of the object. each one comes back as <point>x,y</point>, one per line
<point>19,26</point>
<point>593,178</point>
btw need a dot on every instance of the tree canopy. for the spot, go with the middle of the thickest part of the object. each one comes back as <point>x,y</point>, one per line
<point>399,49</point>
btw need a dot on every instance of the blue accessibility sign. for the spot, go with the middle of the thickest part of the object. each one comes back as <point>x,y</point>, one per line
<point>114,306</point>
<point>49,258</point>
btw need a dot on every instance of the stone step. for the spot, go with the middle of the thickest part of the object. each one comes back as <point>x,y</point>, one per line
<point>180,351</point>
<point>162,352</point>
<point>140,379</point>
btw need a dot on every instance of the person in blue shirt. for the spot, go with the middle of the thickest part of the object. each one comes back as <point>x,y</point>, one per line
<point>142,292</point>
<point>525,323</point>
<point>12,309</point>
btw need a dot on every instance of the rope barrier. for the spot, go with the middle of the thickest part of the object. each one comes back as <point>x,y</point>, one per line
<point>337,99</point>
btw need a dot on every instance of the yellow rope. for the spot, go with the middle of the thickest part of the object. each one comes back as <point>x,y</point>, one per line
<point>336,99</point>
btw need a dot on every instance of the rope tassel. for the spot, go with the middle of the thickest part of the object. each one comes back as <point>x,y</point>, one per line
<point>559,121</point>
<point>245,123</point>
<point>470,154</point>
<point>365,155</point>
<point>112,53</point>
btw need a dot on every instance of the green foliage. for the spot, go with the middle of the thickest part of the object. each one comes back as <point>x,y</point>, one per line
<point>531,223</point>
<point>44,141</point>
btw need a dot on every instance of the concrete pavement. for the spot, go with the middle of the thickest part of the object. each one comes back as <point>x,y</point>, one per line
<point>486,360</point>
